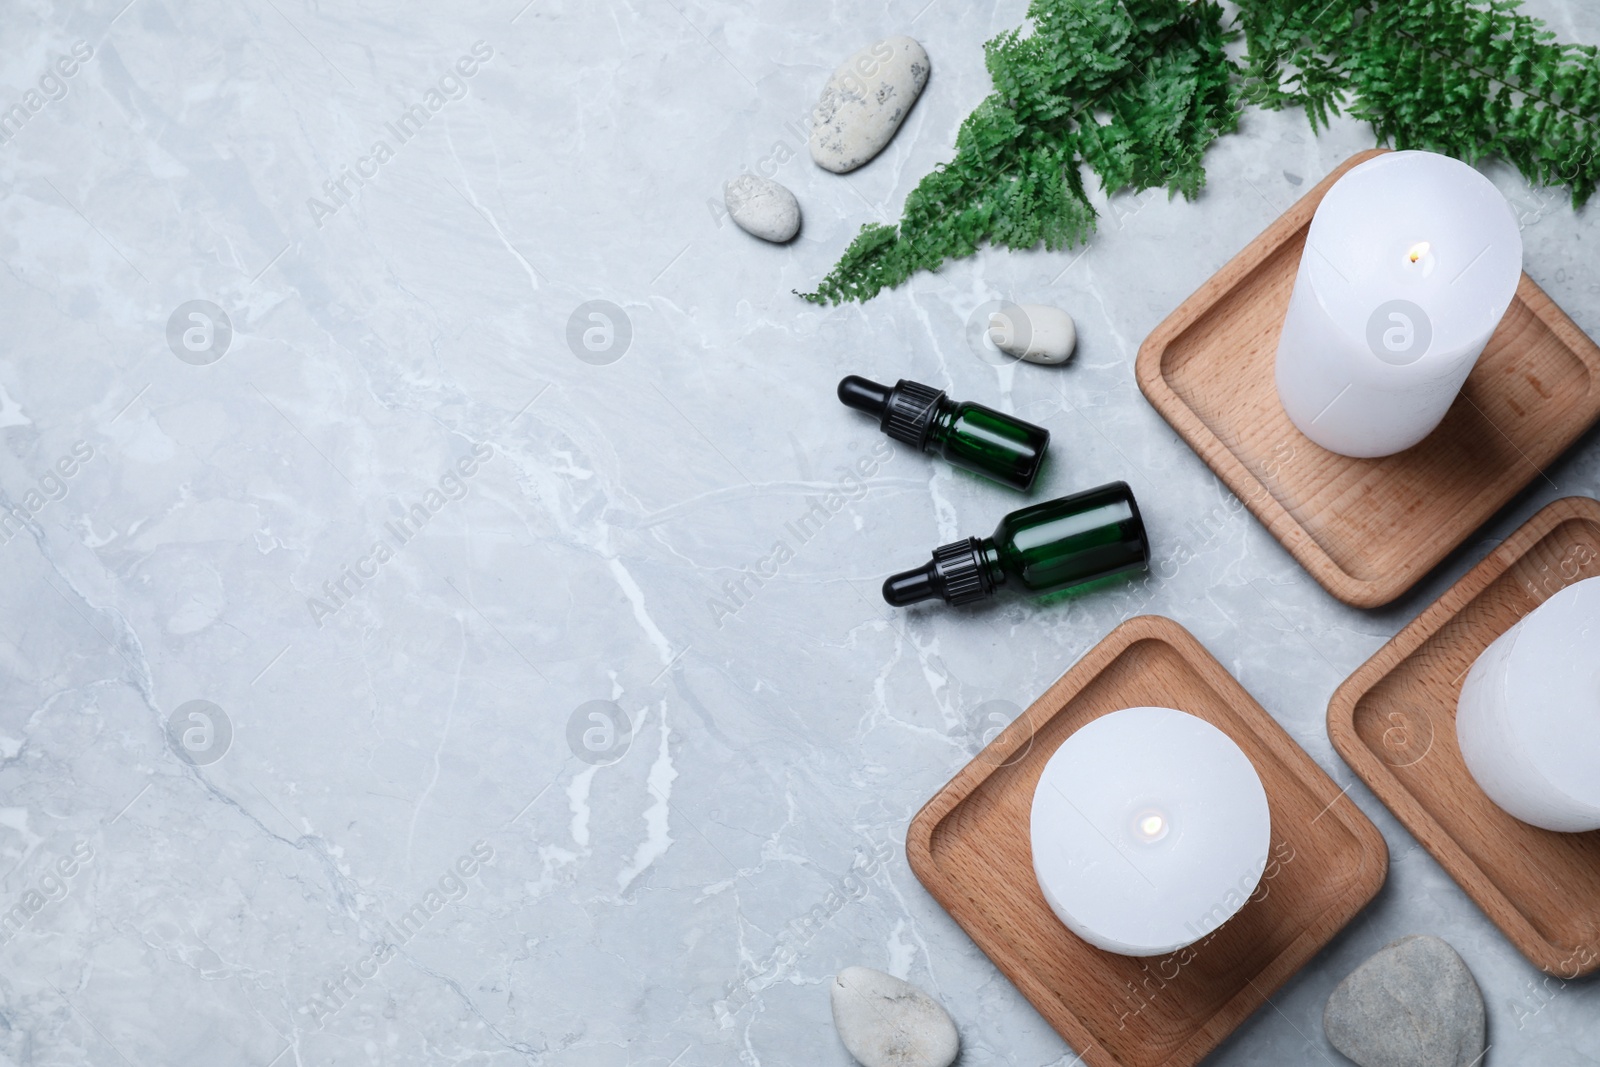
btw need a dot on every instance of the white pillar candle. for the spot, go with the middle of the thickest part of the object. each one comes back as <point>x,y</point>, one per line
<point>1410,263</point>
<point>1529,715</point>
<point>1150,829</point>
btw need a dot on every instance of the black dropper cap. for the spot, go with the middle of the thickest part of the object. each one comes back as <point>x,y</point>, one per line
<point>905,412</point>
<point>955,575</point>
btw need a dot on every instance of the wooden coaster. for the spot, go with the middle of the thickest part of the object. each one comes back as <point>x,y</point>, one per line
<point>1366,529</point>
<point>970,847</point>
<point>1394,722</point>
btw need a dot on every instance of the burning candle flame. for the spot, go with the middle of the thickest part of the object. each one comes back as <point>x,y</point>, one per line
<point>1418,250</point>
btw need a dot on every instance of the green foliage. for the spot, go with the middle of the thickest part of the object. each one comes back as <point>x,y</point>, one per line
<point>1469,78</point>
<point>1135,91</point>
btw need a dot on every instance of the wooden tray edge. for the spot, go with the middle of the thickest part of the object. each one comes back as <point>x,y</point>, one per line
<point>1341,731</point>
<point>1370,842</point>
<point>1368,837</point>
<point>1555,317</point>
<point>1147,364</point>
<point>1215,454</point>
<point>1320,929</point>
<point>919,834</point>
<point>1357,592</point>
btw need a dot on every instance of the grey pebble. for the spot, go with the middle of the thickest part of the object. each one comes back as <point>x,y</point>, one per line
<point>1412,1004</point>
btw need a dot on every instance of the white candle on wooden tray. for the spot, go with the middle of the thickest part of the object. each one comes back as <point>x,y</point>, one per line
<point>1410,263</point>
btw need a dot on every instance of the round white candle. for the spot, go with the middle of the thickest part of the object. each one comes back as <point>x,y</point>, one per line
<point>1410,263</point>
<point>1150,829</point>
<point>1529,715</point>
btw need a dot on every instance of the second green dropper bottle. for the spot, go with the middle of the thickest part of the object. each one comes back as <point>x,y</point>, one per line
<point>1044,547</point>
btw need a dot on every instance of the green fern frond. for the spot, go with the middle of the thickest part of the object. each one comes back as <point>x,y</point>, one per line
<point>1135,91</point>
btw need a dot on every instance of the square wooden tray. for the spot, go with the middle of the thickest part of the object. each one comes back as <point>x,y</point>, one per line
<point>1394,722</point>
<point>1366,529</point>
<point>970,847</point>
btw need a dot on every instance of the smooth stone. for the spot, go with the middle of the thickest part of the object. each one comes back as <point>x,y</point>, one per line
<point>1037,333</point>
<point>762,207</point>
<point>1413,1004</point>
<point>885,1022</point>
<point>865,101</point>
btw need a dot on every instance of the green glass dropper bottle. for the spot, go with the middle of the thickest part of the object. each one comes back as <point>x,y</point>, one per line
<point>978,438</point>
<point>1044,547</point>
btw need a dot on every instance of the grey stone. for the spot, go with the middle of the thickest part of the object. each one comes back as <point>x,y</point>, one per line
<point>762,207</point>
<point>1413,1004</point>
<point>885,1022</point>
<point>865,101</point>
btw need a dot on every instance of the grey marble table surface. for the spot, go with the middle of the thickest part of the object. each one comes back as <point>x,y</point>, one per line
<point>399,664</point>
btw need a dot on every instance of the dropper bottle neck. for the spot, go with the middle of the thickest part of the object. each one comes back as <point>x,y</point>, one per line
<point>906,411</point>
<point>958,573</point>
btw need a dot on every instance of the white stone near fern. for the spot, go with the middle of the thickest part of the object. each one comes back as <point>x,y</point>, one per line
<point>865,102</point>
<point>1037,333</point>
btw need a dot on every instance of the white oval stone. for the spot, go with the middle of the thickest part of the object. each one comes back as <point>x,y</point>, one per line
<point>865,101</point>
<point>762,207</point>
<point>885,1022</point>
<point>1037,333</point>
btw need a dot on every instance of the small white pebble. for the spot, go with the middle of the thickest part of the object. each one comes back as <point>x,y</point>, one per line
<point>763,208</point>
<point>1037,333</point>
